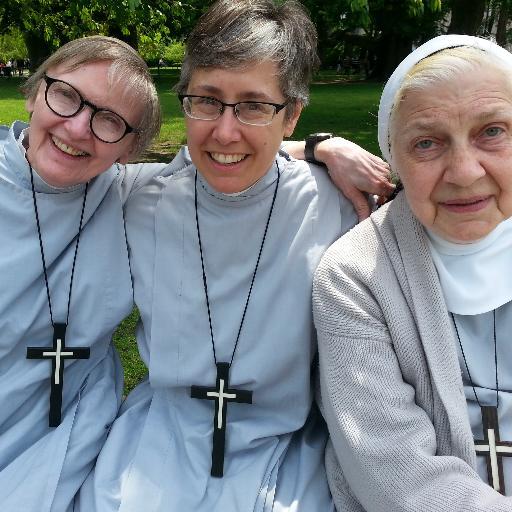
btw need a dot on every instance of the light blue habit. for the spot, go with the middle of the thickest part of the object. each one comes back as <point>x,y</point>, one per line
<point>41,468</point>
<point>158,454</point>
<point>477,336</point>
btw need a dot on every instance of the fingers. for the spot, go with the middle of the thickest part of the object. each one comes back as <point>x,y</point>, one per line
<point>377,180</point>
<point>385,188</point>
<point>359,201</point>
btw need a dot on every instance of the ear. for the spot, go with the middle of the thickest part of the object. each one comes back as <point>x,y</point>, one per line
<point>127,154</point>
<point>290,124</point>
<point>29,104</point>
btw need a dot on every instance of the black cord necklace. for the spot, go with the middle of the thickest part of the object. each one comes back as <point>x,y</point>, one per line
<point>222,393</point>
<point>490,447</point>
<point>58,351</point>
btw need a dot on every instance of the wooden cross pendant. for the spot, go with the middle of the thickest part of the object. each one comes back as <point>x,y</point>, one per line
<point>57,353</point>
<point>221,394</point>
<point>492,448</point>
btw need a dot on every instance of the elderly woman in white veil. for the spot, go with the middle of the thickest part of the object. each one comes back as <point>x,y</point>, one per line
<point>413,307</point>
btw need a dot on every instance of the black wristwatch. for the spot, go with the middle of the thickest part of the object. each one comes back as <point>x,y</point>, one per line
<point>311,141</point>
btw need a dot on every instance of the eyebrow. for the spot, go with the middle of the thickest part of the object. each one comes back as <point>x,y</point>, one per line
<point>85,98</point>
<point>496,114</point>
<point>247,95</point>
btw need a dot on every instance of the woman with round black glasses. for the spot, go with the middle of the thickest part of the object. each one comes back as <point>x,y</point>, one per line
<point>65,275</point>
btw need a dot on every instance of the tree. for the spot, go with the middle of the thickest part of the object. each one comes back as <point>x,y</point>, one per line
<point>47,24</point>
<point>397,25</point>
<point>466,20</point>
<point>501,30</point>
<point>380,31</point>
<point>12,46</point>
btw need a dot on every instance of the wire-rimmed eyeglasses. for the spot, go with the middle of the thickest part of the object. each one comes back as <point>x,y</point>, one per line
<point>206,108</point>
<point>65,101</point>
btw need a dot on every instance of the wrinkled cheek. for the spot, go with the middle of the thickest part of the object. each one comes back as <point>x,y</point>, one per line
<point>505,208</point>
<point>424,210</point>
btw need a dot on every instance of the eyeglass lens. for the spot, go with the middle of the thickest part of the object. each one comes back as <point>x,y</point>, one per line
<point>65,101</point>
<point>247,112</point>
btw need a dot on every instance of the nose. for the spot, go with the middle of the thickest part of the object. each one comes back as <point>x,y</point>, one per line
<point>80,124</point>
<point>227,127</point>
<point>464,166</point>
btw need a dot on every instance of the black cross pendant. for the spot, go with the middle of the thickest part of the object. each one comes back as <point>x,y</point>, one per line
<point>492,448</point>
<point>221,394</point>
<point>57,353</point>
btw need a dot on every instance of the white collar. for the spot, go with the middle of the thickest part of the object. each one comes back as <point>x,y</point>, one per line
<point>476,277</point>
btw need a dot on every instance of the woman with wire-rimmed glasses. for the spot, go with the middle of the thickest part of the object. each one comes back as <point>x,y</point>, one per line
<point>223,252</point>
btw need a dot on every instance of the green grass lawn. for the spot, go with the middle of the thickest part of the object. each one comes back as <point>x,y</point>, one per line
<point>339,106</point>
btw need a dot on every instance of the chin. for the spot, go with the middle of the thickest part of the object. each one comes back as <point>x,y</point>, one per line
<point>469,236</point>
<point>225,185</point>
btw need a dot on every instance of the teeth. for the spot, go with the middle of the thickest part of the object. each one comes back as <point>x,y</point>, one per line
<point>67,149</point>
<point>227,159</point>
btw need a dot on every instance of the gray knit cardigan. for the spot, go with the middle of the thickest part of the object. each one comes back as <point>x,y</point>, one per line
<point>391,387</point>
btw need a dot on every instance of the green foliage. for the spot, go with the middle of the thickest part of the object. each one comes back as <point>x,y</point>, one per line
<point>62,20</point>
<point>152,48</point>
<point>12,45</point>
<point>47,24</point>
<point>360,14</point>
<point>174,53</point>
<point>184,15</point>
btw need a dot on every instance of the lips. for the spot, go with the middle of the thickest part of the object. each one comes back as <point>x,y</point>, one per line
<point>225,158</point>
<point>69,150</point>
<point>466,205</point>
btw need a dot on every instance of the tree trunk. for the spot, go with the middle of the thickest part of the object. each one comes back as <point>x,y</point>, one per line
<point>501,33</point>
<point>37,47</point>
<point>465,19</point>
<point>389,51</point>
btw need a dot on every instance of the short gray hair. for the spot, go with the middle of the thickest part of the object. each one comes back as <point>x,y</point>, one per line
<point>127,68</point>
<point>235,33</point>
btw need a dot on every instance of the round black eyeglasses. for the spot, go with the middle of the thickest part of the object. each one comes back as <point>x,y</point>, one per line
<point>65,101</point>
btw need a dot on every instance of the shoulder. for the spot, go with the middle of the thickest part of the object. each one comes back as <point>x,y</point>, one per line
<point>9,134</point>
<point>348,265</point>
<point>350,268</point>
<point>4,133</point>
<point>389,231</point>
<point>301,173</point>
<point>4,140</point>
<point>140,178</point>
<point>376,261</point>
<point>312,184</point>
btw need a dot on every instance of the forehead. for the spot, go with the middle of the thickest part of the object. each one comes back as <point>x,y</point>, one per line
<point>255,80</point>
<point>460,99</point>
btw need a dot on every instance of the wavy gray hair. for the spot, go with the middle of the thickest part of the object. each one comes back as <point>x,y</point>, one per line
<point>235,33</point>
<point>127,68</point>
